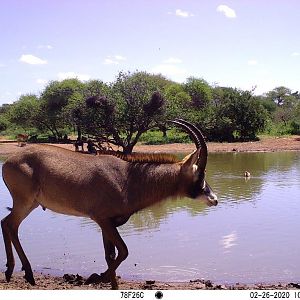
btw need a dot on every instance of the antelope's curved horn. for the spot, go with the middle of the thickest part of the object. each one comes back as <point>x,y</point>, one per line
<point>188,129</point>
<point>200,141</point>
<point>199,134</point>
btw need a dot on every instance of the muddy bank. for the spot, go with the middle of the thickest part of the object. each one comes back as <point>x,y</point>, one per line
<point>70,281</point>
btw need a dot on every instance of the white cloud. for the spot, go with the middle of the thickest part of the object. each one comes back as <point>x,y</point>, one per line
<point>113,59</point>
<point>170,70</point>
<point>2,65</point>
<point>227,11</point>
<point>41,81</point>
<point>32,60</point>
<point>49,47</point>
<point>120,57</point>
<point>252,62</point>
<point>295,54</point>
<point>109,61</point>
<point>69,75</point>
<point>173,60</point>
<point>181,13</point>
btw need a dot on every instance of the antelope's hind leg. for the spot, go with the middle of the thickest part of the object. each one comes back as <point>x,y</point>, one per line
<point>10,264</point>
<point>10,227</point>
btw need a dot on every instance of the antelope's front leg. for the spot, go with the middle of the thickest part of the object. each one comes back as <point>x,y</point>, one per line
<point>111,239</point>
<point>110,251</point>
<point>110,256</point>
<point>112,235</point>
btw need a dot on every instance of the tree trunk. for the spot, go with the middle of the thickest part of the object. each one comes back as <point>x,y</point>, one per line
<point>128,148</point>
<point>78,133</point>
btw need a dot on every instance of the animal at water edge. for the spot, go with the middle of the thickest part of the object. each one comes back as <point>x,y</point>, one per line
<point>22,139</point>
<point>79,143</point>
<point>105,188</point>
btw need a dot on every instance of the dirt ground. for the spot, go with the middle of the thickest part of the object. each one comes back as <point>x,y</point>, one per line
<point>76,282</point>
<point>270,144</point>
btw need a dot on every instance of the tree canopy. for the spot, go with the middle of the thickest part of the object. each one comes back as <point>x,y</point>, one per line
<point>120,112</point>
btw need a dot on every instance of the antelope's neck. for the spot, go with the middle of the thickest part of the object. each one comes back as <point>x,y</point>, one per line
<point>151,183</point>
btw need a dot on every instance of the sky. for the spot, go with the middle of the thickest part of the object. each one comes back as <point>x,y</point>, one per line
<point>242,44</point>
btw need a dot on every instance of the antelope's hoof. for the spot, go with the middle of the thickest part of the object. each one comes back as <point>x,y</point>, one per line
<point>8,274</point>
<point>94,279</point>
<point>110,277</point>
<point>105,278</point>
<point>29,278</point>
<point>114,284</point>
<point>102,278</point>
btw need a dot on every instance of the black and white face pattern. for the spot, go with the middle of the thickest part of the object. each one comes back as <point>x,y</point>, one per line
<point>200,190</point>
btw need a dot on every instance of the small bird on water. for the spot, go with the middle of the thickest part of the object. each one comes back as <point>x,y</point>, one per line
<point>247,174</point>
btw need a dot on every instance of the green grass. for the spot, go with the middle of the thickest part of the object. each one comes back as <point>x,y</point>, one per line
<point>278,130</point>
<point>155,137</point>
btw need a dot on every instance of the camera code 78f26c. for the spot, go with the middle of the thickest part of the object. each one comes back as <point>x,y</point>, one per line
<point>273,295</point>
<point>132,295</point>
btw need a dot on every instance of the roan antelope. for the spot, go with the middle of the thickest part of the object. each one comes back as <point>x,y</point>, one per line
<point>104,188</point>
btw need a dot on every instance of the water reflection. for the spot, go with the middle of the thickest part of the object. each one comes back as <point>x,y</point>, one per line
<point>250,236</point>
<point>229,240</point>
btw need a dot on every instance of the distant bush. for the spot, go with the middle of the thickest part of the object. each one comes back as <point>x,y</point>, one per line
<point>295,127</point>
<point>155,137</point>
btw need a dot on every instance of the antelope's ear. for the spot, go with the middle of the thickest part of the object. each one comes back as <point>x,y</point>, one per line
<point>189,163</point>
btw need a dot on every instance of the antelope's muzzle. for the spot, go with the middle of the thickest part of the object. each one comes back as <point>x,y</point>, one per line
<point>211,198</point>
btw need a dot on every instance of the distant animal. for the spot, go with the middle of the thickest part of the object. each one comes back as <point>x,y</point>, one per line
<point>105,188</point>
<point>247,174</point>
<point>91,147</point>
<point>77,144</point>
<point>22,139</point>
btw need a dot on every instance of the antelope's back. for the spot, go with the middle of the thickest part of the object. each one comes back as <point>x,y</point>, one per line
<point>65,181</point>
<point>58,160</point>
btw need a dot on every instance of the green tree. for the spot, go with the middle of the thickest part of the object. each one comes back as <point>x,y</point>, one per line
<point>279,95</point>
<point>199,91</point>
<point>3,123</point>
<point>95,88</point>
<point>25,112</point>
<point>178,101</point>
<point>82,114</point>
<point>58,101</point>
<point>123,111</point>
<point>295,124</point>
<point>236,113</point>
<point>267,103</point>
<point>285,116</point>
<point>248,114</point>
